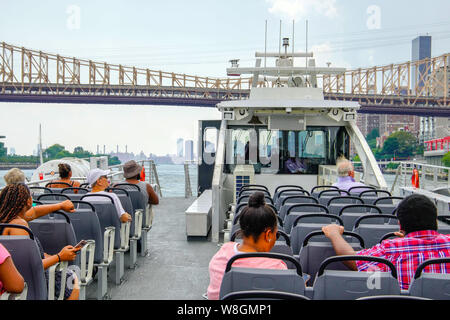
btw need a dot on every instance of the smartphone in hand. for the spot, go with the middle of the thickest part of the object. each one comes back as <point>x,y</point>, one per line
<point>80,245</point>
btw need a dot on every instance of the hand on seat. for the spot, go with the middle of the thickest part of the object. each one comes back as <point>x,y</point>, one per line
<point>67,206</point>
<point>125,218</point>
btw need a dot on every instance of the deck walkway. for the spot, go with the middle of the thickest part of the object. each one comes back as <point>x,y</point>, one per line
<point>174,268</point>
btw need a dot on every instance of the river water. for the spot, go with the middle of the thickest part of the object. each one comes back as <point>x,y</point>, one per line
<point>172,180</point>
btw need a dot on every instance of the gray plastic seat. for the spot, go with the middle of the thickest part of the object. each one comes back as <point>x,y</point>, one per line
<point>326,195</point>
<point>37,191</point>
<point>444,224</point>
<point>317,189</point>
<point>74,190</point>
<point>289,200</point>
<point>431,285</point>
<point>127,205</point>
<point>107,214</point>
<point>52,197</point>
<point>351,285</point>
<point>373,233</point>
<point>280,188</point>
<point>313,253</point>
<point>305,224</point>
<point>86,225</point>
<point>335,204</point>
<point>263,295</point>
<point>244,279</point>
<point>370,196</point>
<point>54,234</point>
<point>295,210</point>
<point>289,193</point>
<point>27,259</point>
<point>245,198</point>
<point>350,213</point>
<point>387,205</point>
<point>355,191</point>
<point>137,199</point>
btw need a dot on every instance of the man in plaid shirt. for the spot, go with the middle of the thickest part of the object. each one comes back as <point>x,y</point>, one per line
<point>418,240</point>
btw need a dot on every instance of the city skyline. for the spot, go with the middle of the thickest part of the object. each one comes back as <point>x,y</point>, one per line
<point>348,34</point>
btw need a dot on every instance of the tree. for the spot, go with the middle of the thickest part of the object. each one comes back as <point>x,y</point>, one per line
<point>53,150</point>
<point>401,144</point>
<point>446,159</point>
<point>374,134</point>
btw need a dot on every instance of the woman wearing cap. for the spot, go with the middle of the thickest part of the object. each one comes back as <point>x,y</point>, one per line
<point>132,173</point>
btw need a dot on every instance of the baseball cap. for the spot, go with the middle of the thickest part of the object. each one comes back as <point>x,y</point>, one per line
<point>95,174</point>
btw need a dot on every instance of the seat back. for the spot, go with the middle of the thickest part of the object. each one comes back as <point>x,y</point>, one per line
<point>287,193</point>
<point>305,224</point>
<point>27,259</point>
<point>326,195</point>
<point>355,191</point>
<point>74,190</point>
<point>52,197</point>
<point>127,205</point>
<point>350,213</point>
<point>137,200</point>
<point>373,233</point>
<point>37,191</point>
<point>335,204</point>
<point>317,189</point>
<point>285,200</point>
<point>86,225</point>
<point>263,295</point>
<point>313,252</point>
<point>283,187</point>
<point>107,214</point>
<point>370,196</point>
<point>243,279</point>
<point>295,210</point>
<point>431,285</point>
<point>54,234</point>
<point>245,198</point>
<point>351,285</point>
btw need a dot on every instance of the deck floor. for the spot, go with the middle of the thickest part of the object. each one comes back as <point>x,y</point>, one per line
<point>174,268</point>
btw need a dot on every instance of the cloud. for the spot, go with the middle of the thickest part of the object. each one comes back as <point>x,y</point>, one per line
<point>298,9</point>
<point>324,53</point>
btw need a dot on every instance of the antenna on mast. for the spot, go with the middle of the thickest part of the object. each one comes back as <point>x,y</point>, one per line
<point>306,75</point>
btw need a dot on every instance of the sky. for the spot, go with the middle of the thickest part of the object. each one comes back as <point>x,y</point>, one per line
<point>196,37</point>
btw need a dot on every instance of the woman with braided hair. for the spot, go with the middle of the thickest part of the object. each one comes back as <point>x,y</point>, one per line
<point>16,208</point>
<point>259,229</point>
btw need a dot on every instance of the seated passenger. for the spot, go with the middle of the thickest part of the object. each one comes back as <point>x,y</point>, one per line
<point>132,173</point>
<point>294,165</point>
<point>346,175</point>
<point>98,180</point>
<point>259,232</point>
<point>15,175</point>
<point>10,279</point>
<point>418,241</point>
<point>65,175</point>
<point>15,202</point>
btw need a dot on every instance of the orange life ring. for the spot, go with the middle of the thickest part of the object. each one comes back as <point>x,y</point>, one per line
<point>143,174</point>
<point>415,178</point>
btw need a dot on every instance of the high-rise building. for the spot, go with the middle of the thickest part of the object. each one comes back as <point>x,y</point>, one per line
<point>421,49</point>
<point>189,150</point>
<point>180,143</point>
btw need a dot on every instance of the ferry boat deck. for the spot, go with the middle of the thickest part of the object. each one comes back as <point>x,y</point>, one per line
<point>174,268</point>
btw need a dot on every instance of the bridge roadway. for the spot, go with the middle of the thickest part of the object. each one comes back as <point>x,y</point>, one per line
<point>204,97</point>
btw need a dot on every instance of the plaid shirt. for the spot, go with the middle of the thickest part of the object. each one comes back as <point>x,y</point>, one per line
<point>408,253</point>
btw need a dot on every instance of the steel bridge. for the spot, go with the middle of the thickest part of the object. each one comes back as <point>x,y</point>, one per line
<point>411,88</point>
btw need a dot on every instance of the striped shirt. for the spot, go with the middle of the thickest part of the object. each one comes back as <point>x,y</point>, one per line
<point>408,253</point>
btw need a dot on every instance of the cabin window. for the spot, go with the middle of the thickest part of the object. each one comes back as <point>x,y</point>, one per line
<point>285,152</point>
<point>210,140</point>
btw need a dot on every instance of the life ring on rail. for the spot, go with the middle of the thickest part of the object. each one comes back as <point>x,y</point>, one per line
<point>415,178</point>
<point>143,174</point>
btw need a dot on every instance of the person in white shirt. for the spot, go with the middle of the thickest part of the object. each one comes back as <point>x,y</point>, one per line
<point>98,180</point>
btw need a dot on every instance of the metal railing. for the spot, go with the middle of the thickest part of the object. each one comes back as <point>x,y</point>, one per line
<point>430,176</point>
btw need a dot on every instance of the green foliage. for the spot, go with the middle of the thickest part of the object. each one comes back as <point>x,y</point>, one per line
<point>446,159</point>
<point>392,165</point>
<point>373,135</point>
<point>3,150</point>
<point>400,144</point>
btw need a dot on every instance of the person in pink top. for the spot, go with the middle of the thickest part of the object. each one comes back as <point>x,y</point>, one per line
<point>259,232</point>
<point>10,279</point>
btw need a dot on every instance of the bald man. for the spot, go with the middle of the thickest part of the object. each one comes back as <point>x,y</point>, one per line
<point>346,176</point>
